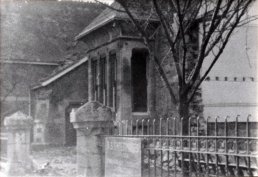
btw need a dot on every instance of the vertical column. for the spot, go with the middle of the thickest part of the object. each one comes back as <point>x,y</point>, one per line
<point>113,80</point>
<point>90,80</point>
<point>104,78</point>
<point>114,86</point>
<point>124,82</point>
<point>151,86</point>
<point>99,90</point>
<point>108,79</point>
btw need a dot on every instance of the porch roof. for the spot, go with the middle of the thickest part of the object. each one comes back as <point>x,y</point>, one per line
<point>60,73</point>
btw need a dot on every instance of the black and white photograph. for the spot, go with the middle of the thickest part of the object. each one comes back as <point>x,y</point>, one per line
<point>128,88</point>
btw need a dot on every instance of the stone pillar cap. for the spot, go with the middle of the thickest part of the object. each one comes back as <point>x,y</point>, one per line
<point>92,112</point>
<point>18,119</point>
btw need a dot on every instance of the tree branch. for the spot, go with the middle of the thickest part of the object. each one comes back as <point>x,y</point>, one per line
<point>238,18</point>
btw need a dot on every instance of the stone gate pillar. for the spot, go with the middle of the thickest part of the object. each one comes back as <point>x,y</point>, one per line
<point>18,127</point>
<point>91,121</point>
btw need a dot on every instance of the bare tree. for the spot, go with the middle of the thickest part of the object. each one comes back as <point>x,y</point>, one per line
<point>15,84</point>
<point>213,21</point>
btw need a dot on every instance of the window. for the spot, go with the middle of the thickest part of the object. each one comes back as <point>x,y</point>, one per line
<point>139,80</point>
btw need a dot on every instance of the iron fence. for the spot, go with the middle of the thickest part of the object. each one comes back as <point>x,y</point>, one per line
<point>211,148</point>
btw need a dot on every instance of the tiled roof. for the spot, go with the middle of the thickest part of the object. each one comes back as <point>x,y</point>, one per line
<point>108,15</point>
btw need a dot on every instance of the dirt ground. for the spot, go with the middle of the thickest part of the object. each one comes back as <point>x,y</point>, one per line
<point>55,161</point>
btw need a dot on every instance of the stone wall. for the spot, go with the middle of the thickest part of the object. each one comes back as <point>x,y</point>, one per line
<point>164,105</point>
<point>67,90</point>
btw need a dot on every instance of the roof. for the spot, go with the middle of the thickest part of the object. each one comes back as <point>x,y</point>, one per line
<point>109,15</point>
<point>60,73</point>
<point>28,62</point>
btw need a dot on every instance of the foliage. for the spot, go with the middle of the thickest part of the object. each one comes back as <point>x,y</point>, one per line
<point>44,30</point>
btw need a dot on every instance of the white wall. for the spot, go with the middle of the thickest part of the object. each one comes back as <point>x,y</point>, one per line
<point>222,98</point>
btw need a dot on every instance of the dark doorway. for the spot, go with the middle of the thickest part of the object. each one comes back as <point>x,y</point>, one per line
<point>70,132</point>
<point>139,80</point>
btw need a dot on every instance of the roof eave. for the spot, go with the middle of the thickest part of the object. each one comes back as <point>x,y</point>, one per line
<point>83,34</point>
<point>36,87</point>
<point>60,74</point>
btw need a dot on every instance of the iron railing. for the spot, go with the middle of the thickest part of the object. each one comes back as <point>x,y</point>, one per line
<point>211,148</point>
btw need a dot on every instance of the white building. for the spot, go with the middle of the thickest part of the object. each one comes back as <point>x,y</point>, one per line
<point>231,88</point>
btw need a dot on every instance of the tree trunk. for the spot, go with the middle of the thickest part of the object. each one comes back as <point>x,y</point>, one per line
<point>184,112</point>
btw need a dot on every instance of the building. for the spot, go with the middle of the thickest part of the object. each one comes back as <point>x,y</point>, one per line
<point>120,75</point>
<point>231,87</point>
<point>108,77</point>
<point>52,101</point>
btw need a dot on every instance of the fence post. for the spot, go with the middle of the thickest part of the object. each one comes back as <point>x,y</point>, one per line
<point>184,173</point>
<point>226,144</point>
<point>207,148</point>
<point>236,144</point>
<point>247,146</point>
<point>160,126</point>
<point>143,126</point>
<point>91,121</point>
<point>190,147</point>
<point>154,127</point>
<point>18,127</point>
<point>198,145</point>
